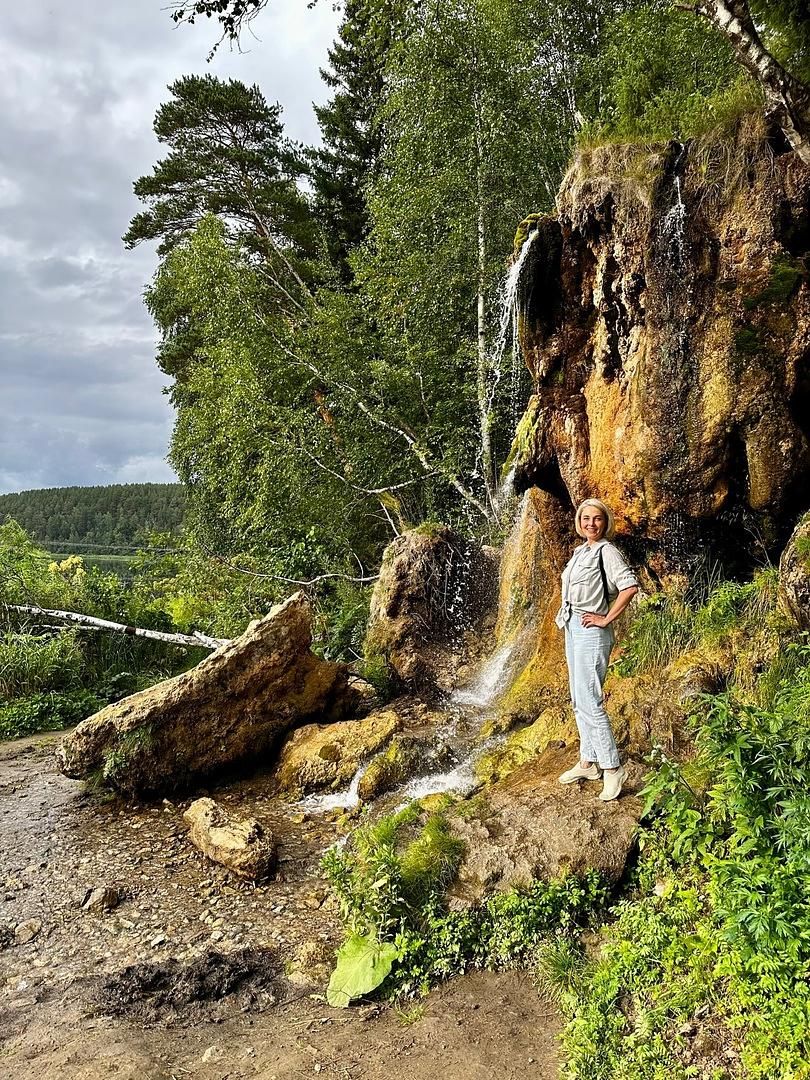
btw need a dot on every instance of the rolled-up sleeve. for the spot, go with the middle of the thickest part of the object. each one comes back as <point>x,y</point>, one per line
<point>618,573</point>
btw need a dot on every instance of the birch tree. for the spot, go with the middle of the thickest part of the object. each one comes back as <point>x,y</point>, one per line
<point>787,97</point>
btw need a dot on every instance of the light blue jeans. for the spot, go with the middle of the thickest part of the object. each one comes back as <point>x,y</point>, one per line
<point>587,652</point>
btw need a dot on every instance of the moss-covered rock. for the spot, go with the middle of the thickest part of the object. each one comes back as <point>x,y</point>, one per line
<point>794,575</point>
<point>320,757</point>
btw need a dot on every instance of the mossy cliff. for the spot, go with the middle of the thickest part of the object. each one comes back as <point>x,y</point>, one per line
<point>666,326</point>
<point>667,331</point>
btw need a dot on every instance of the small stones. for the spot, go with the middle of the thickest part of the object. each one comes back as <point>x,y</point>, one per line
<point>27,931</point>
<point>103,899</point>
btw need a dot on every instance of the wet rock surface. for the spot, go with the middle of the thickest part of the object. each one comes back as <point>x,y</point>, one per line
<point>326,756</point>
<point>232,706</point>
<point>433,586</point>
<point>530,826</point>
<point>241,845</point>
<point>794,574</point>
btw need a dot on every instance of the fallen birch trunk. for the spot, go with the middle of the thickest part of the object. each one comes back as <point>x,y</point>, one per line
<point>196,638</point>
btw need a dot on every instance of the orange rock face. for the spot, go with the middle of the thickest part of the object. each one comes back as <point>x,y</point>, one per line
<point>667,329</point>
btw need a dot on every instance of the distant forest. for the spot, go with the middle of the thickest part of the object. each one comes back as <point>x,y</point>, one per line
<point>77,518</point>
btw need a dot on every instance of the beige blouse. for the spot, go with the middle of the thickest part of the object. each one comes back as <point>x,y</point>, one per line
<point>582,588</point>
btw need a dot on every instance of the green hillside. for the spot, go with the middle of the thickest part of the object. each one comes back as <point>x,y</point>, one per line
<point>92,519</point>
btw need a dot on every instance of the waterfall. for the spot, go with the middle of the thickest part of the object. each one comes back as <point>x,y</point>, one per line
<point>674,223</point>
<point>339,800</point>
<point>509,312</point>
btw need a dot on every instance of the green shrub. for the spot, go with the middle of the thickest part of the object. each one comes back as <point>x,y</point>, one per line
<point>46,712</point>
<point>30,663</point>
<point>719,928</point>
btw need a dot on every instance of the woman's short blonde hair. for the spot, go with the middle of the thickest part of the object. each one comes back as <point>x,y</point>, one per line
<point>597,504</point>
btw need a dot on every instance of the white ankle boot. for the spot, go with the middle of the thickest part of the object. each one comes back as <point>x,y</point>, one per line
<point>593,772</point>
<point>613,784</point>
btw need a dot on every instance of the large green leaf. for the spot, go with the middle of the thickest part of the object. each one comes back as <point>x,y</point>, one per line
<point>363,963</point>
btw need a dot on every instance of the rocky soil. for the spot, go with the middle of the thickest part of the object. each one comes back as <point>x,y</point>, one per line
<point>125,953</point>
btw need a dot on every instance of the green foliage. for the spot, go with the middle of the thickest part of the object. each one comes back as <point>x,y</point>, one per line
<point>747,341</point>
<point>227,156</point>
<point>50,711</point>
<point>363,964</point>
<point>29,663</point>
<point>720,926</point>
<point>667,625</point>
<point>662,74</point>
<point>351,135</point>
<point>74,520</point>
<point>784,276</point>
<point>390,883</point>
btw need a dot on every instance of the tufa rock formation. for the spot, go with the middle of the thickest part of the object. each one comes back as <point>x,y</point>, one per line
<point>530,826</point>
<point>666,325</point>
<point>231,708</point>
<point>667,330</point>
<point>433,586</point>
<point>794,575</point>
<point>241,845</point>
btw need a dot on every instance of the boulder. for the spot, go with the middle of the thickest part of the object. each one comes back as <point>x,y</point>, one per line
<point>394,765</point>
<point>794,574</point>
<point>529,826</point>
<point>241,845</point>
<point>231,708</point>
<point>320,757</point>
<point>434,585</point>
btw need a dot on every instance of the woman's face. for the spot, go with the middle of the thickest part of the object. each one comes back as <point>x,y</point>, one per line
<point>593,523</point>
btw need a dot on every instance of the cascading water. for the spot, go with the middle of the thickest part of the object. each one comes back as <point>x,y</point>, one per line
<point>509,314</point>
<point>674,223</point>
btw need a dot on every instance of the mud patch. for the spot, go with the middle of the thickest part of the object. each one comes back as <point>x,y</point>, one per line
<point>248,980</point>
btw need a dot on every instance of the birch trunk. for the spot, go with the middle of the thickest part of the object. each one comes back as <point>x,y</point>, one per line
<point>196,638</point>
<point>787,98</point>
<point>484,405</point>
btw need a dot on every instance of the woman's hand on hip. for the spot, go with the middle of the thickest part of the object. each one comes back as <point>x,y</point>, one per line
<point>590,618</point>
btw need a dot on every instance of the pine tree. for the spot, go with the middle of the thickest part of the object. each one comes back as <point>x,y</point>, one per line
<point>347,161</point>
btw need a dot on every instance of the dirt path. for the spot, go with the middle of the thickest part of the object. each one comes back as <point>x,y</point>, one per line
<point>61,1012</point>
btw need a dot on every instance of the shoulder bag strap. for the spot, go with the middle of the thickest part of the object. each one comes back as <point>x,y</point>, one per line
<point>603,575</point>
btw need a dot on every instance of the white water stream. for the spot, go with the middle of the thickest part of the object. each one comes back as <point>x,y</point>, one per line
<point>467,708</point>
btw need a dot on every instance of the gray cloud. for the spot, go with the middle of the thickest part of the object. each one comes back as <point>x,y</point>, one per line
<point>80,396</point>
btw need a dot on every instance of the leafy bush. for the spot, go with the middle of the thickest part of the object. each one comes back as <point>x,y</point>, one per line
<point>46,712</point>
<point>720,927</point>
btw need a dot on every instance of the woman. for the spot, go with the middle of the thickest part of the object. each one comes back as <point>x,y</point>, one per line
<point>597,585</point>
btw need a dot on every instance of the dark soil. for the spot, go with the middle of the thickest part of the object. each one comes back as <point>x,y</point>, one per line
<point>166,992</point>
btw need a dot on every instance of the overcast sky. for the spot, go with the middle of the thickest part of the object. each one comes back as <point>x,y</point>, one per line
<point>80,394</point>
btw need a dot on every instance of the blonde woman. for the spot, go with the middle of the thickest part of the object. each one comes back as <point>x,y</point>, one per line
<point>597,585</point>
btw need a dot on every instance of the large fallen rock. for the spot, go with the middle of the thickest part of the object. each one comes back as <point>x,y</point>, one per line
<point>320,757</point>
<point>230,708</point>
<point>529,826</point>
<point>241,845</point>
<point>434,585</point>
<point>794,574</point>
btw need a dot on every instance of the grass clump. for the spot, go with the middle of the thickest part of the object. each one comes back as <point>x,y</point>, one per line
<point>390,883</point>
<point>30,663</point>
<point>668,625</point>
